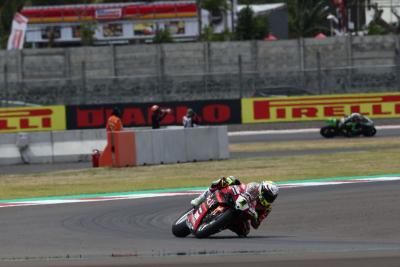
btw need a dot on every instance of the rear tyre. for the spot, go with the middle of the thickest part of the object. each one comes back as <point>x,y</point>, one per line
<point>328,131</point>
<point>220,222</point>
<point>180,228</point>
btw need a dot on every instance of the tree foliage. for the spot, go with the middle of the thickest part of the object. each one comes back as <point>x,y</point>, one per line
<point>307,17</point>
<point>250,27</point>
<point>86,32</point>
<point>381,26</point>
<point>163,36</point>
<point>215,5</point>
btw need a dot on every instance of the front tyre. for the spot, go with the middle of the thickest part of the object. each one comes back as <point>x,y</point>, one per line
<point>369,132</point>
<point>328,131</point>
<point>180,228</point>
<point>218,223</point>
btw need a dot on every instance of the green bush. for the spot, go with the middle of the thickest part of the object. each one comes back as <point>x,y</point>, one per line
<point>162,36</point>
<point>87,34</point>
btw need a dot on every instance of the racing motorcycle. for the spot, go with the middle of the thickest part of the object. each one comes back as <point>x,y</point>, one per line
<point>364,127</point>
<point>219,211</point>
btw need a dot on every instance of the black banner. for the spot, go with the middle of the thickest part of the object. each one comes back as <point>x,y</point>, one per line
<point>211,112</point>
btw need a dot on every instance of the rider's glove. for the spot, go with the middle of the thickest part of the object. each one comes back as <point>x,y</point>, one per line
<point>253,214</point>
<point>255,223</point>
<point>254,219</point>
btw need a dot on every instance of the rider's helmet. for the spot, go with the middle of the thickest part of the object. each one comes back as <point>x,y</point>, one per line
<point>231,179</point>
<point>190,112</point>
<point>268,191</point>
<point>355,116</point>
<point>116,112</point>
<point>155,108</point>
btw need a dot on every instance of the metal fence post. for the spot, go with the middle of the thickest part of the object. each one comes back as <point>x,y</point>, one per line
<point>240,76</point>
<point>83,80</point>
<point>254,55</point>
<point>113,61</point>
<point>349,57</point>
<point>301,62</point>
<point>319,76</point>
<point>205,68</point>
<point>20,65</point>
<point>162,72</point>
<point>209,58</point>
<point>67,64</point>
<point>5,69</point>
<point>397,60</point>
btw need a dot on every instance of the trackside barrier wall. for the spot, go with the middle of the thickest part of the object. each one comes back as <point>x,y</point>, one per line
<point>132,147</point>
<point>166,146</point>
<point>50,147</point>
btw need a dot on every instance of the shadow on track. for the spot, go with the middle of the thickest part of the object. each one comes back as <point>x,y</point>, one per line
<point>247,237</point>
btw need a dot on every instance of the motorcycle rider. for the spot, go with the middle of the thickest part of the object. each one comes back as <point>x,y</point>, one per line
<point>258,196</point>
<point>157,115</point>
<point>351,123</point>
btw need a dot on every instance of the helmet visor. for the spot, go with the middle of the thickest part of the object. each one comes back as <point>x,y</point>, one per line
<point>268,198</point>
<point>264,202</point>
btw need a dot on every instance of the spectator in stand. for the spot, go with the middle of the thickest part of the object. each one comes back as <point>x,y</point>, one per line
<point>157,115</point>
<point>190,119</point>
<point>114,123</point>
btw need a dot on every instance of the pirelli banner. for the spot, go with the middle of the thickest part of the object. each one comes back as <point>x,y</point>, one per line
<point>306,108</point>
<point>29,119</point>
<point>211,112</point>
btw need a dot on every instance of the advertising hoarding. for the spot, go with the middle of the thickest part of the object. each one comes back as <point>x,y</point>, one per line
<point>307,108</point>
<point>211,112</point>
<point>30,119</point>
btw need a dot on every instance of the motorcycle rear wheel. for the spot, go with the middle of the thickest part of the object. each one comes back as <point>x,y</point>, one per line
<point>217,224</point>
<point>180,228</point>
<point>328,131</point>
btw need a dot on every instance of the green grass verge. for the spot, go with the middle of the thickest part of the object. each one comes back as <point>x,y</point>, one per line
<point>380,159</point>
<point>367,143</point>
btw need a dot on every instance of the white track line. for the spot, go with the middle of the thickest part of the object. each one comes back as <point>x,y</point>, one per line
<point>40,202</point>
<point>293,131</point>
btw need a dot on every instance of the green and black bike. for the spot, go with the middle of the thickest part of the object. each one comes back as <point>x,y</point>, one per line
<point>334,127</point>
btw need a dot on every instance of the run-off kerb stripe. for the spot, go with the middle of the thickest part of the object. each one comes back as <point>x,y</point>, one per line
<point>185,191</point>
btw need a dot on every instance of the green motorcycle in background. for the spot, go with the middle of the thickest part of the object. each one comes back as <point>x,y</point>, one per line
<point>335,127</point>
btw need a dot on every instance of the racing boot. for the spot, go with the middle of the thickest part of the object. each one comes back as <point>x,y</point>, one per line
<point>198,200</point>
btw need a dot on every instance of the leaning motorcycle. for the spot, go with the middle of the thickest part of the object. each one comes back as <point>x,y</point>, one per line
<point>365,127</point>
<point>216,213</point>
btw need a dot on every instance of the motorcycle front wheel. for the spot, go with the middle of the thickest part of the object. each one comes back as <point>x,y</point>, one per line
<point>180,228</point>
<point>218,223</point>
<point>369,132</point>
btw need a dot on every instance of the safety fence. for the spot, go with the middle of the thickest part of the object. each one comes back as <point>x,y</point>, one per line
<point>199,71</point>
<point>210,112</point>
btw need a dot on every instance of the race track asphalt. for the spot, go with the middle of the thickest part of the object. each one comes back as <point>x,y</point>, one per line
<point>350,225</point>
<point>343,225</point>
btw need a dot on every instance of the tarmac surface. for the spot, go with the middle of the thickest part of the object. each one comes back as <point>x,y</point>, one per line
<point>343,225</point>
<point>350,225</point>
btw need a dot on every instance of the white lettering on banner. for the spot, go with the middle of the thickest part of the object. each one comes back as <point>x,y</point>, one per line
<point>109,13</point>
<point>17,36</point>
